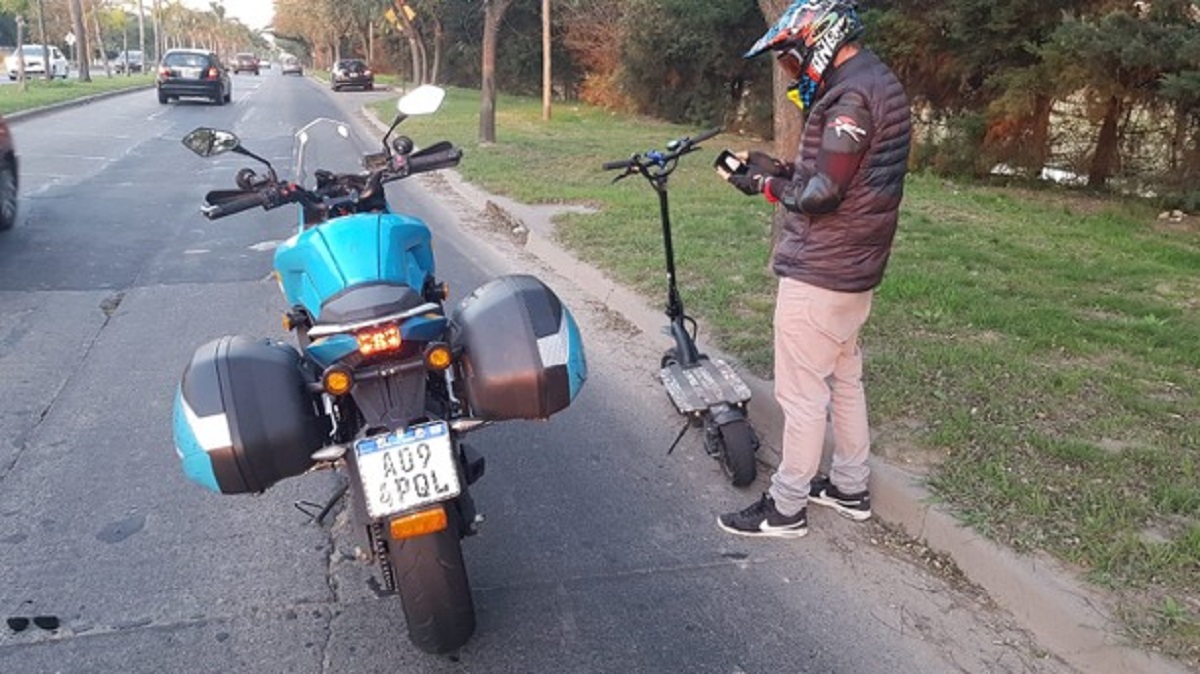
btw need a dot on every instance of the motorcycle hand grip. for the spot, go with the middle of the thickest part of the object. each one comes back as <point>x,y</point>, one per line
<point>418,163</point>
<point>440,146</point>
<point>220,203</point>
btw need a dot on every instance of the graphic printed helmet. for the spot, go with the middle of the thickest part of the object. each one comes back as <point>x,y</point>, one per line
<point>805,39</point>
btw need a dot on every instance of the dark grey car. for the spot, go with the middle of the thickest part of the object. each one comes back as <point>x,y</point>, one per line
<point>193,72</point>
<point>351,73</point>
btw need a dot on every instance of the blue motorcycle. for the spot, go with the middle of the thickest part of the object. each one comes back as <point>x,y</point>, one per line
<point>383,382</point>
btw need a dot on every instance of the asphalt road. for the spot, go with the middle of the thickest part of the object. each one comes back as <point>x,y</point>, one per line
<point>599,553</point>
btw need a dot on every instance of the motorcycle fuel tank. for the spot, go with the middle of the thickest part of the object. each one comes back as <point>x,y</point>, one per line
<point>522,356</point>
<point>243,417</point>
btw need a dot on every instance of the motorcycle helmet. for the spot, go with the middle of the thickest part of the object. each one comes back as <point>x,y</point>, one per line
<point>805,39</point>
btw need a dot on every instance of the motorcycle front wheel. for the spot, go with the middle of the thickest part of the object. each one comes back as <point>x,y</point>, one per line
<point>431,580</point>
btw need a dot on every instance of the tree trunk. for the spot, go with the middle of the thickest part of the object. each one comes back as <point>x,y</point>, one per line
<point>435,70</point>
<point>1106,145</point>
<point>81,41</point>
<point>788,122</point>
<point>20,53</point>
<point>41,18</point>
<point>1040,137</point>
<point>100,40</point>
<point>493,12</point>
<point>416,46</point>
<point>547,69</point>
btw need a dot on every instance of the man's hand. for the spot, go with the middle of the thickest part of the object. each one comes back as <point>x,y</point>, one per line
<point>765,164</point>
<point>749,183</point>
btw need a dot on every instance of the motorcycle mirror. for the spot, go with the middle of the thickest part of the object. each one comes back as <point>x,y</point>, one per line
<point>402,145</point>
<point>208,142</point>
<point>423,100</point>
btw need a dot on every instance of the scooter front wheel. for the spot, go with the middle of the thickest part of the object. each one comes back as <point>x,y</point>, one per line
<point>736,451</point>
<point>669,358</point>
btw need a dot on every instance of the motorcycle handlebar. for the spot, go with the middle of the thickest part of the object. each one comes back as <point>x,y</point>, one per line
<point>220,203</point>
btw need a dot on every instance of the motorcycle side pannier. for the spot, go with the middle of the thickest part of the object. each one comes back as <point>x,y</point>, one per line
<point>244,418</point>
<point>522,356</point>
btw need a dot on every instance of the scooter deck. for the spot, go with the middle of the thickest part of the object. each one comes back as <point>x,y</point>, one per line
<point>707,383</point>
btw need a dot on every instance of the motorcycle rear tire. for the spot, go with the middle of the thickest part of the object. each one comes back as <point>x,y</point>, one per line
<point>431,580</point>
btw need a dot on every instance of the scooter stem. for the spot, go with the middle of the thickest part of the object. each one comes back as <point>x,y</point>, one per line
<point>685,347</point>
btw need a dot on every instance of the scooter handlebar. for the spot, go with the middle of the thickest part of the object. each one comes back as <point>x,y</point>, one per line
<point>676,149</point>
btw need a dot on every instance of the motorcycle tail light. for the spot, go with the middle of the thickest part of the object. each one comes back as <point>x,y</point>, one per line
<point>419,523</point>
<point>379,340</point>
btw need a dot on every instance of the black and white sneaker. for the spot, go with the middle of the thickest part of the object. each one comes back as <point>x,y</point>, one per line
<point>762,519</point>
<point>854,506</point>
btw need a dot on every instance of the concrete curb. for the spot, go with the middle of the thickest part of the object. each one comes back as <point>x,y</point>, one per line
<point>1068,618</point>
<point>73,103</point>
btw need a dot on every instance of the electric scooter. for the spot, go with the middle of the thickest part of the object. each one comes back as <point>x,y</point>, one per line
<point>705,390</point>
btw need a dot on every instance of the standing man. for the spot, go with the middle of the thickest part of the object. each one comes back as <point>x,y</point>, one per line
<point>842,197</point>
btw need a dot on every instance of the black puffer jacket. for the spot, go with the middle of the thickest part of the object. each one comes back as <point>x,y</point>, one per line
<point>847,248</point>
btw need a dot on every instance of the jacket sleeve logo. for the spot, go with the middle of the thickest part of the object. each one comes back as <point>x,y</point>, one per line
<point>843,124</point>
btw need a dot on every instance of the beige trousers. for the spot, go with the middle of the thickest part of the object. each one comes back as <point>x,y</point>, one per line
<point>818,373</point>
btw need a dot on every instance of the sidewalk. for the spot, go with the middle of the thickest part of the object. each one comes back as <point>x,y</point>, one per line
<point>1069,618</point>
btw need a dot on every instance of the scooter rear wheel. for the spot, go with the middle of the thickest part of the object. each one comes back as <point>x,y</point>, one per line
<point>736,449</point>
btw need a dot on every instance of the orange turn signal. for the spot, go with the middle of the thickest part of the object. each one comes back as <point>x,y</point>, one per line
<point>337,381</point>
<point>437,357</point>
<point>419,523</point>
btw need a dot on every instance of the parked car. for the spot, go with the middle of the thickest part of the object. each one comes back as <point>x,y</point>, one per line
<point>290,65</point>
<point>8,178</point>
<point>351,73</point>
<point>193,72</point>
<point>245,63</point>
<point>134,59</point>
<point>34,56</point>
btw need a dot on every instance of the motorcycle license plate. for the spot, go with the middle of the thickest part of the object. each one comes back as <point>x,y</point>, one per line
<point>406,470</point>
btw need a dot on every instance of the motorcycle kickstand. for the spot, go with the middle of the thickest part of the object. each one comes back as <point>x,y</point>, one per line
<point>307,507</point>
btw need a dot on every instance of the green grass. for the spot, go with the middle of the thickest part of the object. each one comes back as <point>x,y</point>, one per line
<point>1044,345</point>
<point>40,93</point>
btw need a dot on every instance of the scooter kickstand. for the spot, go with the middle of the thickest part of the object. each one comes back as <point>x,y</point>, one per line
<point>686,424</point>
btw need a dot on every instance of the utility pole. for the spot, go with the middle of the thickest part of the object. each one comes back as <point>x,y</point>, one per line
<point>142,34</point>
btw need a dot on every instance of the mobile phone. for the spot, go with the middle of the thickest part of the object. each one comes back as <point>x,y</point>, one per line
<point>729,163</point>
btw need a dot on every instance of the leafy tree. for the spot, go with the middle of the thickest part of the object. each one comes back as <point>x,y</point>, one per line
<point>682,59</point>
